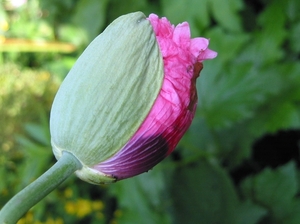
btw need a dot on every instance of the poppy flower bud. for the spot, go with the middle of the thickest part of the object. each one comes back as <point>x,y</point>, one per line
<point>129,98</point>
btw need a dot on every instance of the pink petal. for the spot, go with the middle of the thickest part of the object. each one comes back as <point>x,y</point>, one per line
<point>182,36</point>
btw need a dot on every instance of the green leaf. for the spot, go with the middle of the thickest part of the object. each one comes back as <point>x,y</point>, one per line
<point>266,46</point>
<point>293,216</point>
<point>278,116</point>
<point>198,142</point>
<point>274,16</point>
<point>90,15</point>
<point>249,213</point>
<point>235,145</point>
<point>37,156</point>
<point>273,189</point>
<point>228,45</point>
<point>282,109</point>
<point>203,193</point>
<point>37,132</point>
<point>226,13</point>
<point>232,96</point>
<point>117,8</point>
<point>142,198</point>
<point>294,38</point>
<point>195,12</point>
<point>293,8</point>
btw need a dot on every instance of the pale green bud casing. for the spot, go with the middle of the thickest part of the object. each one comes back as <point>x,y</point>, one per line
<point>107,94</point>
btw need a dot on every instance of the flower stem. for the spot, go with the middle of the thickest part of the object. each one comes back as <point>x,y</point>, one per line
<point>37,190</point>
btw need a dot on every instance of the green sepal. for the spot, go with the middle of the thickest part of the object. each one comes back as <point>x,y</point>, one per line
<point>109,92</point>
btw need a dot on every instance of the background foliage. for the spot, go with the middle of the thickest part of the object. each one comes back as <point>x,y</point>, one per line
<point>239,161</point>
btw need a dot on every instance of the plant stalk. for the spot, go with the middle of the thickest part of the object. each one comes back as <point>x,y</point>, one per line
<point>37,190</point>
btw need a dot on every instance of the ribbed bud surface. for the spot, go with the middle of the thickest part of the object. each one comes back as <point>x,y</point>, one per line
<point>107,94</point>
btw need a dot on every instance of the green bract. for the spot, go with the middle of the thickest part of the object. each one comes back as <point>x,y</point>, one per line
<point>107,94</point>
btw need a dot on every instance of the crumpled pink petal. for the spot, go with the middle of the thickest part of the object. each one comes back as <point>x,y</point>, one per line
<point>174,108</point>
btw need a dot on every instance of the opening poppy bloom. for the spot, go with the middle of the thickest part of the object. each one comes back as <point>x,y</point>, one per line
<point>175,106</point>
<point>174,62</point>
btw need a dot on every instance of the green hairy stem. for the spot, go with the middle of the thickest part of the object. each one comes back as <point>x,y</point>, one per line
<point>37,190</point>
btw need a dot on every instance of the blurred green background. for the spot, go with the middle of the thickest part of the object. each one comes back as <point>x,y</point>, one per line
<point>239,161</point>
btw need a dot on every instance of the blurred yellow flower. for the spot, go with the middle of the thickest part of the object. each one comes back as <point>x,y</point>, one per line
<point>83,207</point>
<point>54,221</point>
<point>70,207</point>
<point>28,218</point>
<point>97,205</point>
<point>4,25</point>
<point>68,193</point>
